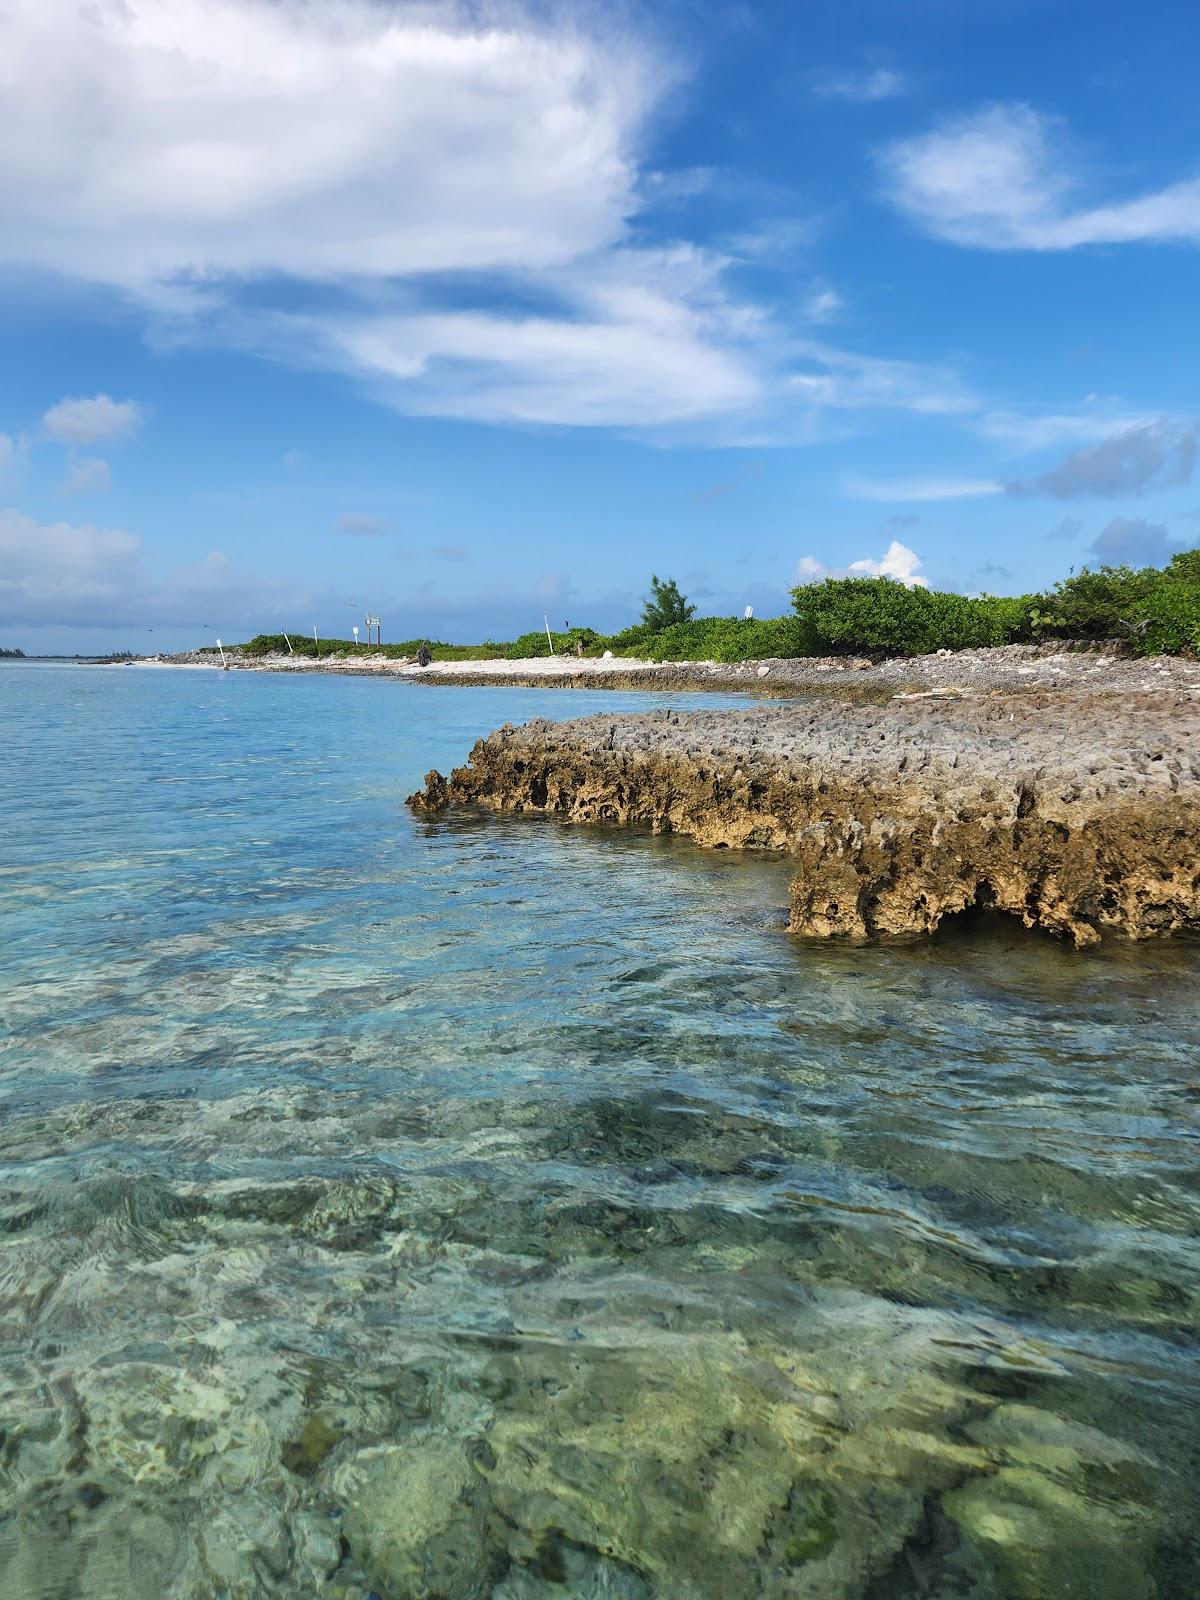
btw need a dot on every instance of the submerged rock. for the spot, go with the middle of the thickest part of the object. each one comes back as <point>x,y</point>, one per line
<point>414,1519</point>
<point>1078,814</point>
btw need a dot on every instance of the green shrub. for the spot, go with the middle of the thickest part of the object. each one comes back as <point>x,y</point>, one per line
<point>711,639</point>
<point>1171,621</point>
<point>1102,603</point>
<point>628,640</point>
<point>880,617</point>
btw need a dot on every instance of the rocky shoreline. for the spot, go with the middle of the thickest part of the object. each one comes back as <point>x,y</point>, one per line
<point>1010,669</point>
<point>1077,812</point>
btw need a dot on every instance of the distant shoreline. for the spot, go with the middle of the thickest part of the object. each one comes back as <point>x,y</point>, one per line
<point>968,673</point>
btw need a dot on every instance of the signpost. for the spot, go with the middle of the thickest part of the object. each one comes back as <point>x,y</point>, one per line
<point>354,630</point>
<point>372,622</point>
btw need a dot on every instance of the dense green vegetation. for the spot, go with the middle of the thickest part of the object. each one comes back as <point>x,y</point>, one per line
<point>12,655</point>
<point>277,644</point>
<point>1149,610</point>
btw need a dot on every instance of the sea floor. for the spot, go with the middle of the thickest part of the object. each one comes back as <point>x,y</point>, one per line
<point>487,1209</point>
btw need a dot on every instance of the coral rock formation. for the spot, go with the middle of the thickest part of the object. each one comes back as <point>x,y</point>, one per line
<point>1079,814</point>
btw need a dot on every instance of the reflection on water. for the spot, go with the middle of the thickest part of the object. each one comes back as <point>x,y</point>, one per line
<point>488,1208</point>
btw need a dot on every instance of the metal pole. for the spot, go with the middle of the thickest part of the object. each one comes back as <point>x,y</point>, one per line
<point>549,640</point>
<point>288,642</point>
<point>224,663</point>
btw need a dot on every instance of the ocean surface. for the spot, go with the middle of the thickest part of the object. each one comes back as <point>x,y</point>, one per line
<point>488,1209</point>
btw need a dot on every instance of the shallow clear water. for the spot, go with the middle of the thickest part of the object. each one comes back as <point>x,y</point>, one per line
<point>490,1208</point>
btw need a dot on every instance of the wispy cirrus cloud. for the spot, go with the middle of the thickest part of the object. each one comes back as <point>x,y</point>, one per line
<point>1004,178</point>
<point>1032,431</point>
<point>819,374</point>
<point>861,88</point>
<point>914,490</point>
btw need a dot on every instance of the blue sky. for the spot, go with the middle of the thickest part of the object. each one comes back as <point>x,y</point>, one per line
<point>471,313</point>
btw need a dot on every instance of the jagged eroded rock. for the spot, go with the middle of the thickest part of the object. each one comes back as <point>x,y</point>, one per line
<point>1079,814</point>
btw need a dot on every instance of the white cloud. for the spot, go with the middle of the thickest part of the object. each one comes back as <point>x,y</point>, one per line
<point>198,138</point>
<point>57,573</point>
<point>810,570</point>
<point>88,475</point>
<point>84,576</point>
<point>458,183</point>
<point>899,562</point>
<point>1034,432</point>
<point>824,305</point>
<point>845,379</point>
<point>863,88</point>
<point>1003,179</point>
<point>638,359</point>
<point>92,420</point>
<point>918,489</point>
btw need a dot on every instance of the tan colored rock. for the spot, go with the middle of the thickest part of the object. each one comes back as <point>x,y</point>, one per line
<point>1075,813</point>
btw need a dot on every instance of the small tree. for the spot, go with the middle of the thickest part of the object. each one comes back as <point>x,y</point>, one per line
<point>665,606</point>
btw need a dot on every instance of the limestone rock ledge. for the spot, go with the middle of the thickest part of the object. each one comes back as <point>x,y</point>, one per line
<point>1079,814</point>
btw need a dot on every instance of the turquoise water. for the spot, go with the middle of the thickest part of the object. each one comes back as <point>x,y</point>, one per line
<point>488,1209</point>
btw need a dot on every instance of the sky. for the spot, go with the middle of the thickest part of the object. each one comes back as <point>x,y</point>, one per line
<point>471,314</point>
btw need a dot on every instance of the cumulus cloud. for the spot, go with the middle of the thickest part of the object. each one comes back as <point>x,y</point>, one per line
<point>208,137</point>
<point>454,187</point>
<point>1135,542</point>
<point>1150,455</point>
<point>60,572</point>
<point>810,570</point>
<point>1003,179</point>
<point>863,88</point>
<point>84,576</point>
<point>92,421</point>
<point>360,525</point>
<point>919,489</point>
<point>897,562</point>
<point>88,475</point>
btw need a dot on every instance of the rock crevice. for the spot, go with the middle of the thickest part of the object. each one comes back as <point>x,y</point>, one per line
<point>1078,814</point>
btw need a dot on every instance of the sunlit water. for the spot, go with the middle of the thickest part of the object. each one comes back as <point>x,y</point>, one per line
<point>491,1208</point>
